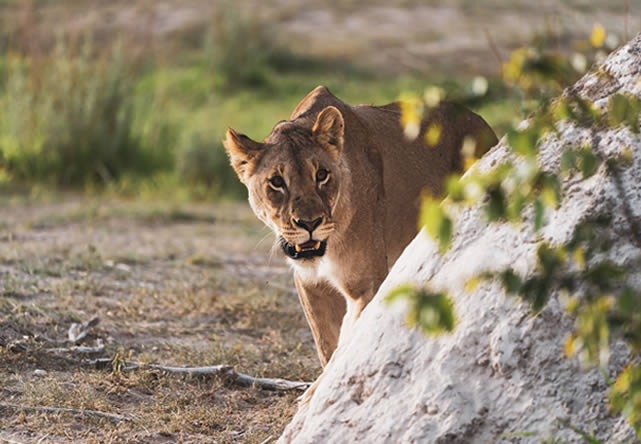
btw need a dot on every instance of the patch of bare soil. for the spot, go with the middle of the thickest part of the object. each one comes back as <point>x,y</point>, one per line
<point>182,286</point>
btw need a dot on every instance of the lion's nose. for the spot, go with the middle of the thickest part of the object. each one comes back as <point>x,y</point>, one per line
<point>307,224</point>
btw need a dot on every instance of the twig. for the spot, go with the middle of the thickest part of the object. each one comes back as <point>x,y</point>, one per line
<point>99,348</point>
<point>494,48</point>
<point>77,332</point>
<point>90,413</point>
<point>587,437</point>
<point>268,439</point>
<point>225,371</point>
<point>269,383</point>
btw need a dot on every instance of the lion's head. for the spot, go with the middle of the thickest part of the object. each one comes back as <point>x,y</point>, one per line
<point>294,180</point>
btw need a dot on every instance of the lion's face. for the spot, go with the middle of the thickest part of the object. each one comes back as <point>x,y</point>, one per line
<point>294,181</point>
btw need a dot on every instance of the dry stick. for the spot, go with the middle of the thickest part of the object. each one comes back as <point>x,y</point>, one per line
<point>494,48</point>
<point>90,413</point>
<point>99,348</point>
<point>226,371</point>
<point>76,333</point>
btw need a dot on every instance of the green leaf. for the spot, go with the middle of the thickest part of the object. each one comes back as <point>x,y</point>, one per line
<point>445,233</point>
<point>551,190</point>
<point>495,208</point>
<point>431,312</point>
<point>617,109</point>
<point>539,211</point>
<point>406,291</point>
<point>512,282</point>
<point>629,301</point>
<point>436,222</point>
<point>624,110</point>
<point>588,162</point>
<point>568,160</point>
<point>434,313</point>
<point>455,188</point>
<point>523,142</point>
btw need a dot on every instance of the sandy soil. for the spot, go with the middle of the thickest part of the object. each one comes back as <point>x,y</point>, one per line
<point>176,285</point>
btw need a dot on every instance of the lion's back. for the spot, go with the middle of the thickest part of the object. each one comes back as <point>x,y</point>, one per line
<point>412,166</point>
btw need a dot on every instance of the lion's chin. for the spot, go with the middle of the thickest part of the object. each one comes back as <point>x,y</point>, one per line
<point>309,249</point>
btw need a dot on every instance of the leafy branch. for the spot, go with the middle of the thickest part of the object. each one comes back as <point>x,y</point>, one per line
<point>519,191</point>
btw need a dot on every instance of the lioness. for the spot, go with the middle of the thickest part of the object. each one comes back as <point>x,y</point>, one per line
<point>340,186</point>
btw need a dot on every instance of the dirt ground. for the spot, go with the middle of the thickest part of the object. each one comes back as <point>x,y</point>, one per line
<point>182,285</point>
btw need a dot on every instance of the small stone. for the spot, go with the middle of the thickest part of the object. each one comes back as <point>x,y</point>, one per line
<point>123,267</point>
<point>39,372</point>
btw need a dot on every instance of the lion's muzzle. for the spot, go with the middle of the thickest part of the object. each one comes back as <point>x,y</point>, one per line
<point>309,249</point>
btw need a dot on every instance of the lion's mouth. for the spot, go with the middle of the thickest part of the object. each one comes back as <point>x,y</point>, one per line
<point>311,248</point>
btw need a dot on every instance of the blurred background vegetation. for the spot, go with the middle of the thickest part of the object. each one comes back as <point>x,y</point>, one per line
<point>133,97</point>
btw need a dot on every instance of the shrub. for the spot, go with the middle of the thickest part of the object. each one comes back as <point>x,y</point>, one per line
<point>597,291</point>
<point>240,47</point>
<point>201,161</point>
<point>67,119</point>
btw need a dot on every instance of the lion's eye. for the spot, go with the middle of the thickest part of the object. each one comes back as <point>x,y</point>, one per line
<point>322,175</point>
<point>277,182</point>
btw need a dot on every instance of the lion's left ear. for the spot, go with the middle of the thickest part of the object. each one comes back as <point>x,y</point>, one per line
<point>328,131</point>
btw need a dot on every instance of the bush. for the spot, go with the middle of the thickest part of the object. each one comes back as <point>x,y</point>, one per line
<point>597,290</point>
<point>67,119</point>
<point>240,48</point>
<point>201,161</point>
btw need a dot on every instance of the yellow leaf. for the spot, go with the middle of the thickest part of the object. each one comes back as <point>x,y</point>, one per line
<point>433,96</point>
<point>468,162</point>
<point>597,38</point>
<point>570,346</point>
<point>472,284</point>
<point>579,258</point>
<point>469,146</point>
<point>572,304</point>
<point>411,110</point>
<point>433,134</point>
<point>622,383</point>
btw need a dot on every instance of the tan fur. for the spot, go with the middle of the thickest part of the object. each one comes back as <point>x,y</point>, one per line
<point>369,205</point>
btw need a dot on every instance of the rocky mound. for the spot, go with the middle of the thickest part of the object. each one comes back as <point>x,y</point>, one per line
<point>502,376</point>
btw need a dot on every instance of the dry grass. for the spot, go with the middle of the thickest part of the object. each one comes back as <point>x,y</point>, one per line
<point>190,285</point>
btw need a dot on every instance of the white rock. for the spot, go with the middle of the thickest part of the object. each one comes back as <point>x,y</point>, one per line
<point>503,371</point>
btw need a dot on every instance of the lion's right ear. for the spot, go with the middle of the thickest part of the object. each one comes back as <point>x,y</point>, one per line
<point>242,152</point>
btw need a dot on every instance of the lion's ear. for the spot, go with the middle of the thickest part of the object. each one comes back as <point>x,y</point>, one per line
<point>242,152</point>
<point>328,131</point>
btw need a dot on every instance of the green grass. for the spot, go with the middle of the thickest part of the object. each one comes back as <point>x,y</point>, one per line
<point>105,119</point>
<point>203,113</point>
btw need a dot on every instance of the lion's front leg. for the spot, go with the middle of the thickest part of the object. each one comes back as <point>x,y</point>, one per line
<point>324,309</point>
<point>354,309</point>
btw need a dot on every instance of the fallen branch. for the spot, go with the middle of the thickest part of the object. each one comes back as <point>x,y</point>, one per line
<point>99,348</point>
<point>269,438</point>
<point>270,383</point>
<point>89,413</point>
<point>75,334</point>
<point>225,371</point>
